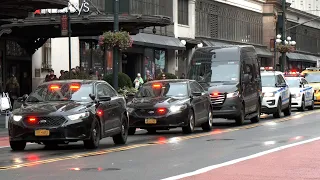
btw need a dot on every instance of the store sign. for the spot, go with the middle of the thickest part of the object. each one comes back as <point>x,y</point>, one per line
<point>84,7</point>
<point>64,25</point>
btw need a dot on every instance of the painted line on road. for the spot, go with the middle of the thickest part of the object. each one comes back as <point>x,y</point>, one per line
<point>210,168</point>
<point>124,148</point>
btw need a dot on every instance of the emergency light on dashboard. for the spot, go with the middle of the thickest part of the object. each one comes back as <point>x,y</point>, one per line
<point>266,68</point>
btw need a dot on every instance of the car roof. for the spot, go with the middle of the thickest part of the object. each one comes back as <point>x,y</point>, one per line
<point>170,81</point>
<point>298,78</point>
<point>270,73</point>
<point>74,81</point>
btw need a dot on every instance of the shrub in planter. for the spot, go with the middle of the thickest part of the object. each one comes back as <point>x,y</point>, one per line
<point>121,39</point>
<point>80,75</point>
<point>123,80</point>
<point>168,76</point>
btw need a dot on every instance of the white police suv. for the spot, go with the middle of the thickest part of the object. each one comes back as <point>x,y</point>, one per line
<point>276,96</point>
<point>302,94</point>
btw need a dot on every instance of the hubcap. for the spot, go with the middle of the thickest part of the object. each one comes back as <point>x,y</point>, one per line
<point>94,134</point>
<point>210,119</point>
<point>191,122</point>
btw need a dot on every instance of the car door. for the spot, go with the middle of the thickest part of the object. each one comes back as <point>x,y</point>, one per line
<point>285,92</point>
<point>205,101</point>
<point>116,106</point>
<point>196,101</point>
<point>248,91</point>
<point>101,90</point>
<point>308,91</point>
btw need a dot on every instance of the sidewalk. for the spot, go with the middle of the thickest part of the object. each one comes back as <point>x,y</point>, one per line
<point>295,163</point>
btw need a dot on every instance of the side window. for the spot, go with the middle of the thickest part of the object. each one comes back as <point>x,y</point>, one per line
<point>281,79</point>
<point>304,81</point>
<point>194,88</point>
<point>110,91</point>
<point>101,90</point>
<point>198,86</point>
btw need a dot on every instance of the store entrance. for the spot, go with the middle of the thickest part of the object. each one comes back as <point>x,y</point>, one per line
<point>22,70</point>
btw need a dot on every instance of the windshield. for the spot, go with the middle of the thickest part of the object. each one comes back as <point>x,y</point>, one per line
<point>268,81</point>
<point>216,71</point>
<point>313,78</point>
<point>166,90</point>
<point>61,92</point>
<point>293,82</point>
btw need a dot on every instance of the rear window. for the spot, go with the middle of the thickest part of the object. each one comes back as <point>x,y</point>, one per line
<point>61,92</point>
<point>163,89</point>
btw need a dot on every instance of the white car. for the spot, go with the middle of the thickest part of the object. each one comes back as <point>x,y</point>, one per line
<point>302,96</point>
<point>276,96</point>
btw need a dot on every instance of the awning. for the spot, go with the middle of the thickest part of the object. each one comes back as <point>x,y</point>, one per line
<point>157,41</point>
<point>261,51</point>
<point>302,57</point>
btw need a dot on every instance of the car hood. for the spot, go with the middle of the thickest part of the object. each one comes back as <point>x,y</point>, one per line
<point>144,103</point>
<point>222,88</point>
<point>51,108</point>
<point>316,86</point>
<point>269,89</point>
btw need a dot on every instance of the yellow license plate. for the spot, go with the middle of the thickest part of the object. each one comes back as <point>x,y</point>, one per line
<point>42,132</point>
<point>150,121</point>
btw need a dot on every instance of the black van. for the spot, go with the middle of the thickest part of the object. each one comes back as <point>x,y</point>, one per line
<point>231,74</point>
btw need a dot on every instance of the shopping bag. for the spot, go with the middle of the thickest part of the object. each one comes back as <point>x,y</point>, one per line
<point>5,103</point>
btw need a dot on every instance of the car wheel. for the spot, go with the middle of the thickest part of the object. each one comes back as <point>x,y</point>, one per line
<point>132,131</point>
<point>207,126</point>
<point>121,138</point>
<point>240,119</point>
<point>94,140</point>
<point>277,114</point>
<point>18,145</point>
<point>257,118</point>
<point>303,105</point>
<point>191,122</point>
<point>312,104</point>
<point>287,111</point>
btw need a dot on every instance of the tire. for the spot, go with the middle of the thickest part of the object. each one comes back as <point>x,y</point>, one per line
<point>257,118</point>
<point>287,111</point>
<point>132,131</point>
<point>277,114</point>
<point>18,145</point>
<point>207,126</point>
<point>95,137</point>
<point>303,105</point>
<point>312,104</point>
<point>240,119</point>
<point>122,137</point>
<point>191,122</point>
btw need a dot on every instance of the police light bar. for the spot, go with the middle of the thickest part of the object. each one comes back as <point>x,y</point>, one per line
<point>292,74</point>
<point>266,68</point>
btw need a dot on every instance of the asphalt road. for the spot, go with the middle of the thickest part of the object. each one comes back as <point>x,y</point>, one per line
<point>158,156</point>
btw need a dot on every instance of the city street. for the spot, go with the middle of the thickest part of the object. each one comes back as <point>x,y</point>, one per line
<point>169,153</point>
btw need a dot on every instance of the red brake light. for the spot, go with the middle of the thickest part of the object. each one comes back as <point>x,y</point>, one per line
<point>74,86</point>
<point>162,111</point>
<point>215,94</point>
<point>156,86</point>
<point>32,119</point>
<point>54,87</point>
<point>99,112</point>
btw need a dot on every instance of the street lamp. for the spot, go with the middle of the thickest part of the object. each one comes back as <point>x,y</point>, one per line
<point>115,49</point>
<point>284,45</point>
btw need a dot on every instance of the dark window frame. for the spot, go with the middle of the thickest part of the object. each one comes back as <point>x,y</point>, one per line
<point>183,12</point>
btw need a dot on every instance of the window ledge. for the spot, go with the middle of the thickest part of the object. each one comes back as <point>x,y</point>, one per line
<point>182,25</point>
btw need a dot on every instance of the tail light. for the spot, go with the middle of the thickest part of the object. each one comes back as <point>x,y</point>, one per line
<point>99,112</point>
<point>215,94</point>
<point>161,111</point>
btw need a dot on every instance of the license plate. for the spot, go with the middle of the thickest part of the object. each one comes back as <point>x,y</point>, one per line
<point>150,121</point>
<point>42,132</point>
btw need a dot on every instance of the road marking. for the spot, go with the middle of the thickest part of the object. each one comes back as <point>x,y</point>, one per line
<point>124,148</point>
<point>210,168</point>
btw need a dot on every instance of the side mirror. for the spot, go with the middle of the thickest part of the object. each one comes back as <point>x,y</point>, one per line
<point>104,98</point>
<point>246,78</point>
<point>197,94</point>
<point>23,98</point>
<point>93,97</point>
<point>281,85</point>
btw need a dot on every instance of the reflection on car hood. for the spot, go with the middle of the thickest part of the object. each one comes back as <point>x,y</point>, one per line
<point>148,102</point>
<point>50,108</point>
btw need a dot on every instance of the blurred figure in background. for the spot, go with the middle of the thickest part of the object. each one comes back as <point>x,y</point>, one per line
<point>138,81</point>
<point>61,74</point>
<point>12,88</point>
<point>51,76</point>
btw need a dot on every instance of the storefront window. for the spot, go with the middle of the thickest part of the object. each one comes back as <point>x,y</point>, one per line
<point>91,57</point>
<point>160,61</point>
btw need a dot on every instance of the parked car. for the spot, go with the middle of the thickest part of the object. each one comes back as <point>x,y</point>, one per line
<point>166,104</point>
<point>60,112</point>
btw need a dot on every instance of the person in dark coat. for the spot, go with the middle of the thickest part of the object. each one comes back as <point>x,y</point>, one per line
<point>51,76</point>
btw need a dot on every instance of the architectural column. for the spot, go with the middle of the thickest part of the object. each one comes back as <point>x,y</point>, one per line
<point>37,76</point>
<point>192,18</point>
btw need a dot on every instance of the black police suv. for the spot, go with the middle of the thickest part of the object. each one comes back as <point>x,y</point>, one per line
<point>165,104</point>
<point>231,74</point>
<point>60,112</point>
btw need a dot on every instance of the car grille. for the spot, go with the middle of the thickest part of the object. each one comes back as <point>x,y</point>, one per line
<point>217,99</point>
<point>145,112</point>
<point>53,121</point>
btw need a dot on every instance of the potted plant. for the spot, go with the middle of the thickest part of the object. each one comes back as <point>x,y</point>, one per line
<point>284,48</point>
<point>120,39</point>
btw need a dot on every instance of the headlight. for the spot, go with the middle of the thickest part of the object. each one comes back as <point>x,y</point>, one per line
<point>177,108</point>
<point>16,118</point>
<point>78,116</point>
<point>130,110</point>
<point>234,94</point>
<point>269,94</point>
<point>298,95</point>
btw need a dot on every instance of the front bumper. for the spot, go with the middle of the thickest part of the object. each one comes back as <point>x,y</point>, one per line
<point>70,131</point>
<point>167,121</point>
<point>296,102</point>
<point>269,105</point>
<point>230,108</point>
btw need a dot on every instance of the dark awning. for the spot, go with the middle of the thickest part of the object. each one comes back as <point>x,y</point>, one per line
<point>191,43</point>
<point>302,57</point>
<point>260,50</point>
<point>157,41</point>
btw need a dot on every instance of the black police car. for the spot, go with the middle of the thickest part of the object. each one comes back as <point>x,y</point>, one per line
<point>60,112</point>
<point>165,104</point>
